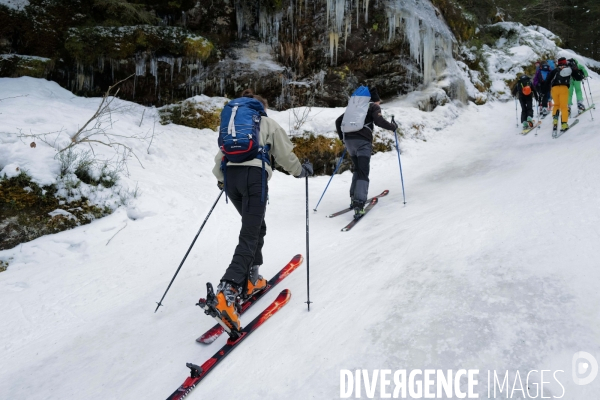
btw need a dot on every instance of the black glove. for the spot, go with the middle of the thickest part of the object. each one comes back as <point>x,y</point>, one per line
<point>395,125</point>
<point>221,185</point>
<point>307,170</point>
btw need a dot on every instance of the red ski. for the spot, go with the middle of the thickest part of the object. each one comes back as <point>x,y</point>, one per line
<point>213,333</point>
<point>199,372</point>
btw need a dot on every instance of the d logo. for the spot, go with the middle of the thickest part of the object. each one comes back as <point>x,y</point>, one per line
<point>584,364</point>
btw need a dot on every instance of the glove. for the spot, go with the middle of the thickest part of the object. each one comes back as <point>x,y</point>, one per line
<point>220,185</point>
<point>307,170</point>
<point>395,125</point>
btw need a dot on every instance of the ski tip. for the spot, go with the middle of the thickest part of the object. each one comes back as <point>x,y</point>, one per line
<point>284,295</point>
<point>298,258</point>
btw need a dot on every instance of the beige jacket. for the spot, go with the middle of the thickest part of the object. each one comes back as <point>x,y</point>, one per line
<point>281,148</point>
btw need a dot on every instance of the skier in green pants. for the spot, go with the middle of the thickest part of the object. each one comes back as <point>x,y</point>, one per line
<point>579,74</point>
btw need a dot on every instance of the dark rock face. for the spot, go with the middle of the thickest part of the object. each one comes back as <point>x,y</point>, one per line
<point>294,52</point>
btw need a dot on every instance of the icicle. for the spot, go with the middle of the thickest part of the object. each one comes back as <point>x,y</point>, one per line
<point>347,30</point>
<point>140,64</point>
<point>392,18</point>
<point>154,71</point>
<point>366,11</point>
<point>334,39</point>
<point>428,40</point>
<point>239,17</point>
<point>340,8</point>
<point>357,12</point>
<point>264,24</point>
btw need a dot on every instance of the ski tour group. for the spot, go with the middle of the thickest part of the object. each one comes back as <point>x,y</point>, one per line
<point>552,89</point>
<point>249,140</point>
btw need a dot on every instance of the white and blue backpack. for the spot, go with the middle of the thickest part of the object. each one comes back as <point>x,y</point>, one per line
<point>356,112</point>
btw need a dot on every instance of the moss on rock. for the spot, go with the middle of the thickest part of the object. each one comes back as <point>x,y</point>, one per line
<point>14,66</point>
<point>324,152</point>
<point>192,114</point>
<point>26,211</point>
<point>86,44</point>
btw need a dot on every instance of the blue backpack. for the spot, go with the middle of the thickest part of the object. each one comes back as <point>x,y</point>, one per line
<point>545,70</point>
<point>239,135</point>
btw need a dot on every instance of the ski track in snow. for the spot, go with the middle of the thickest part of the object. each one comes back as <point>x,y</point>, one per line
<point>491,264</point>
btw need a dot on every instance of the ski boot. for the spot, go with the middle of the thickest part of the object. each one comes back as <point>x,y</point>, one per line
<point>530,122</point>
<point>544,111</point>
<point>224,306</point>
<point>580,106</point>
<point>564,127</point>
<point>525,125</point>
<point>256,283</point>
<point>359,208</point>
<point>554,125</point>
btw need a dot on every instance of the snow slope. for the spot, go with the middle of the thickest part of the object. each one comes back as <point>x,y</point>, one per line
<point>491,265</point>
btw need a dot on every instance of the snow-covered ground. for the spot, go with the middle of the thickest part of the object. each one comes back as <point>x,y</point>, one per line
<point>492,265</point>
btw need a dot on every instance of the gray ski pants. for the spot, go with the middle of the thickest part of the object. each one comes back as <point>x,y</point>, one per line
<point>360,154</point>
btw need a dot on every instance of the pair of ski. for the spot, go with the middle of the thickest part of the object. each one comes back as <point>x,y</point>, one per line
<point>370,204</point>
<point>197,373</point>
<point>535,125</point>
<point>556,133</point>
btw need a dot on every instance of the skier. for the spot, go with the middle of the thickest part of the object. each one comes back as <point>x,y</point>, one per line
<point>360,147</point>
<point>542,86</point>
<point>526,91</point>
<point>246,187</point>
<point>560,80</point>
<point>579,74</point>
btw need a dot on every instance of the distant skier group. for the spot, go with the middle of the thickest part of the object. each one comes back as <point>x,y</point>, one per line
<point>552,87</point>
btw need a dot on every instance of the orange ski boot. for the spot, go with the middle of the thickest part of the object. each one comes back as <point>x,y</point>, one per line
<point>256,283</point>
<point>227,305</point>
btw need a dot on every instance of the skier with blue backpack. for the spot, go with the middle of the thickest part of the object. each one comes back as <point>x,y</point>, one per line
<point>542,85</point>
<point>355,129</point>
<point>247,140</point>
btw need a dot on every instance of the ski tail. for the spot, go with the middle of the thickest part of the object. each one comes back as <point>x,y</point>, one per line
<point>197,373</point>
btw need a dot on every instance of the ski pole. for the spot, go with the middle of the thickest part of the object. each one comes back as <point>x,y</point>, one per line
<point>307,249</point>
<point>588,101</point>
<point>588,82</point>
<point>399,163</point>
<point>334,171</point>
<point>188,252</point>
<point>516,113</point>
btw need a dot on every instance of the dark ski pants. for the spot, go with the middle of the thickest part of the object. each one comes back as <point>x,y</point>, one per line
<point>545,96</point>
<point>526,107</point>
<point>360,154</point>
<point>244,191</point>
